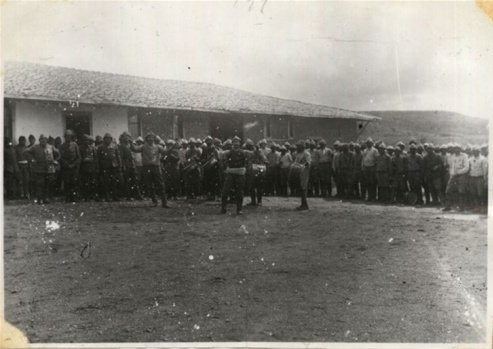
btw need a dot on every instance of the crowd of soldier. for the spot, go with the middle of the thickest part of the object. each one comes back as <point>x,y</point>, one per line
<point>103,170</point>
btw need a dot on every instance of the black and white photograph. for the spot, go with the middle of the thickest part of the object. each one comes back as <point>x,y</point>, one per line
<point>246,173</point>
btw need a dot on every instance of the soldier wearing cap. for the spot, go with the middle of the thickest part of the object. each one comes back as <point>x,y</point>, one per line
<point>383,169</point>
<point>415,172</point>
<point>258,163</point>
<point>478,176</point>
<point>69,162</point>
<point>285,161</point>
<point>303,160</point>
<point>89,169</point>
<point>402,147</point>
<point>209,161</point>
<point>41,158</point>
<point>151,166</point>
<point>10,169</point>
<point>272,174</point>
<point>139,174</point>
<point>129,184</point>
<point>191,171</point>
<point>424,184</point>
<point>433,176</point>
<point>345,161</point>
<point>248,176</point>
<point>458,165</point>
<point>236,159</point>
<point>399,170</point>
<point>171,169</point>
<point>23,180</point>
<point>356,173</point>
<point>110,164</point>
<point>335,164</point>
<point>324,158</point>
<point>368,164</point>
<point>262,145</point>
<point>314,181</point>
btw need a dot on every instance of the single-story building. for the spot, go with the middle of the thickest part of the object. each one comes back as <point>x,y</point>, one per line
<point>46,99</point>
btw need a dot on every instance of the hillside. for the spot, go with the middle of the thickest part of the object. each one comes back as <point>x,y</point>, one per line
<point>426,126</point>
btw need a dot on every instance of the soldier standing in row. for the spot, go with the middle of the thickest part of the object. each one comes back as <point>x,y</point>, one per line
<point>89,169</point>
<point>458,164</point>
<point>110,164</point>
<point>23,182</point>
<point>208,161</point>
<point>285,161</point>
<point>478,176</point>
<point>257,178</point>
<point>383,169</point>
<point>369,174</point>
<point>151,166</point>
<point>399,171</point>
<point>314,182</point>
<point>69,162</point>
<point>235,174</point>
<point>191,170</point>
<point>171,167</point>
<point>344,166</point>
<point>324,158</point>
<point>415,172</point>
<point>433,170</point>
<point>41,157</point>
<point>303,160</point>
<point>356,173</point>
<point>130,188</point>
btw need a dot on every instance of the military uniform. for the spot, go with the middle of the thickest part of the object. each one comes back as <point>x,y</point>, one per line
<point>399,171</point>
<point>383,168</point>
<point>89,170</point>
<point>151,158</point>
<point>257,177</point>
<point>41,158</point>
<point>303,160</point>
<point>110,164</point>
<point>345,160</point>
<point>69,162</point>
<point>433,172</point>
<point>191,171</point>
<point>369,173</point>
<point>129,184</point>
<point>235,176</point>
<point>171,166</point>
<point>415,173</point>
<point>324,158</point>
<point>23,180</point>
<point>210,166</point>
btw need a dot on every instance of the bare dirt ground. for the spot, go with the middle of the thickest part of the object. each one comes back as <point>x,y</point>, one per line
<point>341,272</point>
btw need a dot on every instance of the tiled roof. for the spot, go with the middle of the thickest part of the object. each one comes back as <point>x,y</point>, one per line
<point>37,81</point>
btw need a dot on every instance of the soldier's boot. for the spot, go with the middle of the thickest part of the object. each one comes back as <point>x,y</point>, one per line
<point>164,203</point>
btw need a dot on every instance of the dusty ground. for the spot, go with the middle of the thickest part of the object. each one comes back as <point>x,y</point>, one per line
<point>341,272</point>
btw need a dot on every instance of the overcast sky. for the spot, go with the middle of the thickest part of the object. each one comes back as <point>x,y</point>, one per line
<point>354,55</point>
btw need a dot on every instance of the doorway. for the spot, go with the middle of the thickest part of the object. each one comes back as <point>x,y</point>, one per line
<point>79,122</point>
<point>224,127</point>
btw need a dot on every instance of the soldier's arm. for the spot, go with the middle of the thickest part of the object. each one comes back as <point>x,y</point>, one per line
<point>222,154</point>
<point>77,156</point>
<point>466,166</point>
<point>29,153</point>
<point>134,148</point>
<point>56,154</point>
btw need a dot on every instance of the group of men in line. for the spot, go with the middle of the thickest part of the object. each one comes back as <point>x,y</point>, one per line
<point>103,169</point>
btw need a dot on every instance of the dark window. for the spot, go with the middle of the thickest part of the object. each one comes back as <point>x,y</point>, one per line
<point>290,128</point>
<point>79,122</point>
<point>7,119</point>
<point>179,126</point>
<point>267,129</point>
<point>134,125</point>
